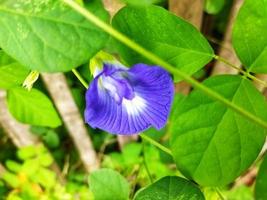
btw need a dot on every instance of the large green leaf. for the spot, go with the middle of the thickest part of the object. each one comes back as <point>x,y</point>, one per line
<point>11,72</point>
<point>261,182</point>
<point>46,35</point>
<point>170,188</point>
<point>164,34</point>
<point>107,184</point>
<point>32,107</point>
<point>249,35</point>
<point>211,143</point>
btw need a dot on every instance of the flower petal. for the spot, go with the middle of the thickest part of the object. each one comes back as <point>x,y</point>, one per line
<point>150,106</point>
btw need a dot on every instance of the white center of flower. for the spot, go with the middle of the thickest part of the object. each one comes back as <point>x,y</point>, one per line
<point>134,106</point>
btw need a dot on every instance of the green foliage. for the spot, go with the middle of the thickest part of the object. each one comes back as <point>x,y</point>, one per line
<point>10,77</point>
<point>49,136</point>
<point>32,107</point>
<point>164,34</point>
<point>107,184</point>
<point>26,177</point>
<point>211,143</point>
<point>214,6</point>
<point>49,36</point>
<point>170,188</point>
<point>249,33</point>
<point>240,193</point>
<point>261,184</point>
<point>143,2</point>
<point>132,159</point>
<point>33,179</point>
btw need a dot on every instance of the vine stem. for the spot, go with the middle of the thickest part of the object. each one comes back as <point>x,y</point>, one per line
<point>220,193</point>
<point>247,74</point>
<point>157,60</point>
<point>80,78</point>
<point>155,143</point>
<point>145,163</point>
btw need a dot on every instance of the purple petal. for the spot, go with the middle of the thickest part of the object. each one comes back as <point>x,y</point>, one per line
<point>122,101</point>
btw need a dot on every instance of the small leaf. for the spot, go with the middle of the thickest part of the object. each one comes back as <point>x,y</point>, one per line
<point>45,159</point>
<point>11,179</point>
<point>170,188</point>
<point>27,152</point>
<point>214,6</point>
<point>211,143</point>
<point>13,166</point>
<point>164,34</point>
<point>107,184</point>
<point>249,35</point>
<point>12,73</point>
<point>51,139</point>
<point>45,177</point>
<point>32,107</point>
<point>261,184</point>
<point>48,35</point>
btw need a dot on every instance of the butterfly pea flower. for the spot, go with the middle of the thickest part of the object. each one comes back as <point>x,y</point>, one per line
<point>126,101</point>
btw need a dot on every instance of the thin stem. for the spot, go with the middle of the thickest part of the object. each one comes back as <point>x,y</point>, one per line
<point>157,60</point>
<point>155,143</point>
<point>220,194</point>
<point>145,163</point>
<point>80,78</point>
<point>247,74</point>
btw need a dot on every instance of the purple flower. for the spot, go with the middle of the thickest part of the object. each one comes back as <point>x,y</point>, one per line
<point>126,101</point>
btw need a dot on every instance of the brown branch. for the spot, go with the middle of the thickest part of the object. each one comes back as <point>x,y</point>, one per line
<point>113,6</point>
<point>227,50</point>
<point>61,94</point>
<point>192,11</point>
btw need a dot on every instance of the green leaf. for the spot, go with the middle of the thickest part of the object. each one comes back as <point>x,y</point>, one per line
<point>32,107</point>
<point>261,184</point>
<point>143,2</point>
<point>11,179</point>
<point>51,139</point>
<point>45,159</point>
<point>107,184</point>
<point>214,6</point>
<point>46,35</point>
<point>30,167</point>
<point>241,192</point>
<point>249,35</point>
<point>164,34</point>
<point>12,73</point>
<point>26,152</point>
<point>46,177</point>
<point>211,143</point>
<point>170,188</point>
<point>13,166</point>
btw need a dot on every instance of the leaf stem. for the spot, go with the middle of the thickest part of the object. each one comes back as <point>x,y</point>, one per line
<point>247,74</point>
<point>155,143</point>
<point>220,193</point>
<point>145,163</point>
<point>80,78</point>
<point>157,60</point>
